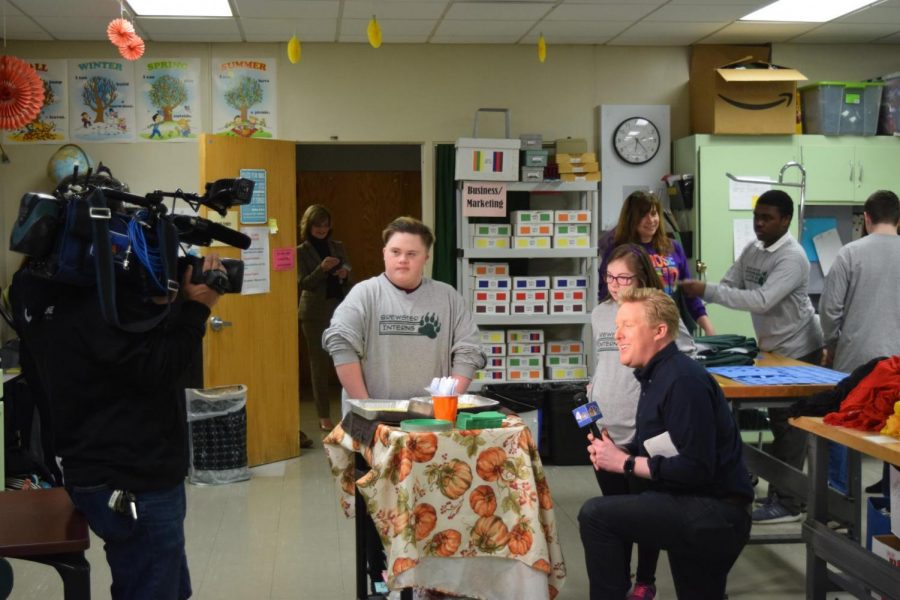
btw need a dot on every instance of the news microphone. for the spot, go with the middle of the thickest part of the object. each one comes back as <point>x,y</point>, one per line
<point>587,415</point>
<point>196,230</point>
<point>229,236</point>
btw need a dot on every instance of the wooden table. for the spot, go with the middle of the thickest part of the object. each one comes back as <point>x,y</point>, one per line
<point>859,569</point>
<point>791,480</point>
<point>43,526</point>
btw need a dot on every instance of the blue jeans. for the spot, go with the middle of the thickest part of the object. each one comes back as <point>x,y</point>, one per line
<point>146,557</point>
<point>703,537</point>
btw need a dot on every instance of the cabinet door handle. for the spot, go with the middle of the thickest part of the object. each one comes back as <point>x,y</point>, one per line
<point>860,174</point>
<point>852,170</point>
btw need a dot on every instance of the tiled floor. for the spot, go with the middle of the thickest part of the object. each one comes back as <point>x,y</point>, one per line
<point>282,535</point>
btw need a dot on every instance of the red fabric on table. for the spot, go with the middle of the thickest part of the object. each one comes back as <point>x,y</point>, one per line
<point>871,402</point>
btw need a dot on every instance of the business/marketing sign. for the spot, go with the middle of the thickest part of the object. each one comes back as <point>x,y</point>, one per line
<point>484,199</point>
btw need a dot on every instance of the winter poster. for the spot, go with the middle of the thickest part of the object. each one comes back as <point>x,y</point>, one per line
<point>168,100</point>
<point>101,100</point>
<point>52,124</point>
<point>244,102</point>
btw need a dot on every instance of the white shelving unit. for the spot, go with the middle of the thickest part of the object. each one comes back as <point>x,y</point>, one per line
<point>553,195</point>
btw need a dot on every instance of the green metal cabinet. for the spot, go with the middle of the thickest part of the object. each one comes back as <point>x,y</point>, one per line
<point>710,158</point>
<point>846,170</point>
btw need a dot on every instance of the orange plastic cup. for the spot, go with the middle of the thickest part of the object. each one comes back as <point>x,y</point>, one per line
<point>445,407</point>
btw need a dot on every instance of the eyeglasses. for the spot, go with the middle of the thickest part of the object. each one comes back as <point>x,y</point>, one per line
<point>619,279</point>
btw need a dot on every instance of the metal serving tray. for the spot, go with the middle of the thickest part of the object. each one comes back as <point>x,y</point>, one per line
<point>388,411</point>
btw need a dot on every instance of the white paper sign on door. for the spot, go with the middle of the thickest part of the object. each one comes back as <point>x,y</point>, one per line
<point>256,261</point>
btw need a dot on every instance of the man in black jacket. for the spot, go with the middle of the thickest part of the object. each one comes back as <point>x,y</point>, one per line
<point>116,402</point>
<point>687,444</point>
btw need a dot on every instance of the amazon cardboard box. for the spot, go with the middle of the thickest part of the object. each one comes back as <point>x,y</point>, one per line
<point>752,97</point>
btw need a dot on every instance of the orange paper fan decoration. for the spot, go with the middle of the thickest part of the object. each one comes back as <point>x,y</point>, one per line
<point>133,50</point>
<point>120,31</point>
<point>21,93</point>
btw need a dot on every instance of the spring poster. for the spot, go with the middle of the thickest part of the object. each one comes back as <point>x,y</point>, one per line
<point>101,100</point>
<point>167,103</point>
<point>244,100</point>
<point>52,124</point>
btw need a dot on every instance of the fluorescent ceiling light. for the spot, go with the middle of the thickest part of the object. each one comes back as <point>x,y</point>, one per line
<point>181,8</point>
<point>806,11</point>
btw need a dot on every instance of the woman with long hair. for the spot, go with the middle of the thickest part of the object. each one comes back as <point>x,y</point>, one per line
<point>639,223</point>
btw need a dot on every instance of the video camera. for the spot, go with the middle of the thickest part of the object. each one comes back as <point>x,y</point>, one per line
<point>92,231</point>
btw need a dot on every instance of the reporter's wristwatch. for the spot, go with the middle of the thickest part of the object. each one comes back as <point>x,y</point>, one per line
<point>628,467</point>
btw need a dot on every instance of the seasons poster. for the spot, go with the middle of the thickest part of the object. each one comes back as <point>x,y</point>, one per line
<point>168,102</point>
<point>51,126</point>
<point>244,101</point>
<point>101,100</point>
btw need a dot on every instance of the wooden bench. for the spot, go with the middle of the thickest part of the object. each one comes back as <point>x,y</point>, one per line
<point>43,526</point>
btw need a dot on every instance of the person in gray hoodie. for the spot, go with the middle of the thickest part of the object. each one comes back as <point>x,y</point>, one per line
<point>770,281</point>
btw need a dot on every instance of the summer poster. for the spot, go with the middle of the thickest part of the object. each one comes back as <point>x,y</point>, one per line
<point>52,124</point>
<point>168,99</point>
<point>244,102</point>
<point>101,100</point>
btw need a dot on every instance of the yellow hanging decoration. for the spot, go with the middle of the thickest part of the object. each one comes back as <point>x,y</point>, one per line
<point>374,33</point>
<point>542,48</point>
<point>293,50</point>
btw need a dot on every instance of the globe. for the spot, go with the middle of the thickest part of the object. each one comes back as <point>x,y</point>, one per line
<point>64,161</point>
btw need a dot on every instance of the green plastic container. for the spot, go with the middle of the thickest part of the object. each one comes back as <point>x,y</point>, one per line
<point>483,420</point>
<point>423,425</point>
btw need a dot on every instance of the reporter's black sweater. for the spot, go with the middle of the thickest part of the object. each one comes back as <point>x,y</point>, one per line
<point>115,397</point>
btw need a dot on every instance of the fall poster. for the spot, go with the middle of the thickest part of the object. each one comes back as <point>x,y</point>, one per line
<point>168,105</point>
<point>244,101</point>
<point>101,100</point>
<point>51,126</point>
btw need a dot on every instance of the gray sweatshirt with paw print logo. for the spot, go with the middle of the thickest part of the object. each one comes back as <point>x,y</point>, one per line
<point>404,339</point>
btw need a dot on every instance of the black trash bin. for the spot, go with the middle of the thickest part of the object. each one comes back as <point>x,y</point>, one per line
<point>528,401</point>
<point>568,442</point>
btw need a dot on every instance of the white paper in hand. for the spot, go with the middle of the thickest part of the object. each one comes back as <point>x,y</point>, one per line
<point>661,445</point>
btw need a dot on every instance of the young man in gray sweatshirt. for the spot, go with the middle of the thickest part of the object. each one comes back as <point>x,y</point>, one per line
<point>770,280</point>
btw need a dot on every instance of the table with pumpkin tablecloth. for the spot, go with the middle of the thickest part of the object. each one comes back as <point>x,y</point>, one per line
<point>462,511</point>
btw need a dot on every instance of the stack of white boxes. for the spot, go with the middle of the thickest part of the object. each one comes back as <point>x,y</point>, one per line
<point>493,236</point>
<point>572,229</point>
<point>565,360</point>
<point>532,229</point>
<point>568,295</point>
<point>493,344</point>
<point>526,355</point>
<point>491,285</point>
<point>530,295</point>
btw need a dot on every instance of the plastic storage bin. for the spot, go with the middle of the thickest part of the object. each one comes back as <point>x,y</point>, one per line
<point>217,419</point>
<point>568,441</point>
<point>527,400</point>
<point>841,107</point>
<point>878,518</point>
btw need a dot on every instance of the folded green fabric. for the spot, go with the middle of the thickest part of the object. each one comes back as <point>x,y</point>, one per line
<point>725,350</point>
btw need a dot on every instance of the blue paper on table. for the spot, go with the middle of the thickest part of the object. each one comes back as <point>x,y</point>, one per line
<point>779,375</point>
<point>812,227</point>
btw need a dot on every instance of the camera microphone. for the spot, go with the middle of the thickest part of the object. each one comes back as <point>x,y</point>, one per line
<point>228,236</point>
<point>196,230</point>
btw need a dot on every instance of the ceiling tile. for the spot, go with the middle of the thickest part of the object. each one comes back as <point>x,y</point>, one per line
<point>198,30</point>
<point>704,13</point>
<point>394,9</point>
<point>847,33</point>
<point>758,33</point>
<point>877,14</point>
<point>664,34</point>
<point>391,29</point>
<point>756,3</point>
<point>554,31</point>
<point>19,27</point>
<point>600,12</point>
<point>483,28</point>
<point>498,11</point>
<point>474,39</point>
<point>61,8</point>
<point>74,28</point>
<point>307,30</point>
<point>287,9</point>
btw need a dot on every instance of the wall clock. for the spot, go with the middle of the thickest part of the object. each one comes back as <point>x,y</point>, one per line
<point>636,140</point>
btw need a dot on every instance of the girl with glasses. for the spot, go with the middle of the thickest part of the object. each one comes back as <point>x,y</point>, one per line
<point>615,389</point>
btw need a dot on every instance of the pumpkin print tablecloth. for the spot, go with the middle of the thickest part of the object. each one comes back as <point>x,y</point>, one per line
<point>455,494</point>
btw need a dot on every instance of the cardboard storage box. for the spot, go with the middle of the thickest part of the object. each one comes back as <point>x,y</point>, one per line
<point>571,241</point>
<point>528,308</point>
<point>490,375</point>
<point>489,229</point>
<point>568,282</point>
<point>490,269</point>
<point>532,174</point>
<point>531,141</point>
<point>490,308</point>
<point>525,374</point>
<point>519,348</point>
<point>535,242</point>
<point>572,216</point>
<point>565,347</point>
<point>579,176</point>
<point>751,97</point>
<point>705,58</point>
<point>569,307</point>
<point>492,283</point>
<point>492,297</point>
<point>528,297</point>
<point>533,229</point>
<point>571,146</point>
<point>888,548</point>
<point>531,216</point>
<point>492,336</point>
<point>556,373</point>
<point>524,362</point>
<point>564,229</point>
<point>564,360</point>
<point>535,158</point>
<point>585,157</point>
<point>495,362</point>
<point>526,335</point>
<point>485,242</point>
<point>487,159</point>
<point>531,282</point>
<point>590,167</point>
<point>494,349</point>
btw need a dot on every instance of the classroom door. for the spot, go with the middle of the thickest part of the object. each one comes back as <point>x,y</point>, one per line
<point>257,346</point>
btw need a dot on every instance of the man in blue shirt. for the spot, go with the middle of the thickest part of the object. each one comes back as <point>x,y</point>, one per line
<point>697,505</point>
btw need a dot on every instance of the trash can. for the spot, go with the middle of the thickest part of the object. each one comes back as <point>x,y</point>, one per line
<point>217,422</point>
<point>528,401</point>
<point>568,441</point>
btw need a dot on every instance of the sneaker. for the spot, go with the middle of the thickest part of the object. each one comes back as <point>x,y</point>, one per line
<point>642,591</point>
<point>305,441</point>
<point>774,512</point>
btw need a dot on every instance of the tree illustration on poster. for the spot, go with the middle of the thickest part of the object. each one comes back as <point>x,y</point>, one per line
<point>98,94</point>
<point>166,93</point>
<point>243,97</point>
<point>245,94</point>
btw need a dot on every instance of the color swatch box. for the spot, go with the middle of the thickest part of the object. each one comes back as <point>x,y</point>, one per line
<point>490,269</point>
<point>518,348</point>
<point>572,216</point>
<point>532,243</point>
<point>531,282</point>
<point>570,229</point>
<point>489,229</point>
<point>530,297</point>
<point>492,283</point>
<point>526,335</point>
<point>491,297</point>
<point>565,347</point>
<point>494,349</point>
<point>490,375</point>
<point>529,308</point>
<point>572,241</point>
<point>567,373</point>
<point>567,282</point>
<point>490,242</point>
<point>492,336</point>
<point>490,309</point>
<point>523,362</point>
<point>531,216</point>
<point>524,374</point>
<point>495,362</point>
<point>564,360</point>
<point>532,229</point>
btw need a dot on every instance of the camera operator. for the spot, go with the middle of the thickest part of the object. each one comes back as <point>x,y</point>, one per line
<point>118,417</point>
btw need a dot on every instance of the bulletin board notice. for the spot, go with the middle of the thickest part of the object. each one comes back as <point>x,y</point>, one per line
<point>255,212</point>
